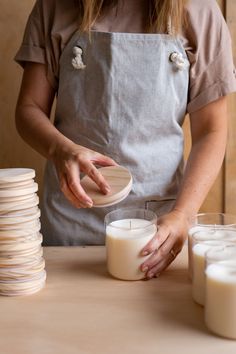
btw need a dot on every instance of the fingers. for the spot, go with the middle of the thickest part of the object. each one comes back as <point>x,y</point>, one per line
<point>70,162</point>
<point>162,257</point>
<point>167,243</point>
<point>73,180</point>
<point>72,189</point>
<point>163,248</point>
<point>159,268</point>
<point>69,194</point>
<point>103,160</point>
<point>152,248</point>
<point>156,241</point>
<point>88,168</point>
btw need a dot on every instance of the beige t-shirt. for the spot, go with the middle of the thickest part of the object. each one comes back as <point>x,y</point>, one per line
<point>206,40</point>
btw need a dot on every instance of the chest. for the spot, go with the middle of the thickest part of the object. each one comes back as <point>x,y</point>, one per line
<point>126,16</point>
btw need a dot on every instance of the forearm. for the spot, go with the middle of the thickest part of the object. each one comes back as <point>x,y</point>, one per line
<point>38,131</point>
<point>209,136</point>
<point>201,171</point>
<point>209,133</point>
<point>33,123</point>
<point>33,111</point>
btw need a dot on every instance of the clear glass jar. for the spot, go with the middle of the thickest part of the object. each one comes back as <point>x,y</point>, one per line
<point>127,233</point>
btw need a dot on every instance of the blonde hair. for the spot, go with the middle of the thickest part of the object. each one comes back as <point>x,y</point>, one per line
<point>161,12</point>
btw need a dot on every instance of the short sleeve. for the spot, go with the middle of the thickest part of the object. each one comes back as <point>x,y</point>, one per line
<point>208,46</point>
<point>49,27</point>
<point>34,47</point>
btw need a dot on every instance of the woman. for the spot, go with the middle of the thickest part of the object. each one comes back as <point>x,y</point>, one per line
<point>125,73</point>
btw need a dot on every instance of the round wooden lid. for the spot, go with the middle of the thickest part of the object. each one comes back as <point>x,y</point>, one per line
<point>22,212</point>
<point>22,232</point>
<point>17,199</point>
<point>118,178</point>
<point>30,225</point>
<point>18,192</point>
<point>9,207</point>
<point>19,218</point>
<point>17,185</point>
<point>9,175</point>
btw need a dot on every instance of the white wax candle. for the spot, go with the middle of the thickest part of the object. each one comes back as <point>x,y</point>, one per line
<point>191,231</point>
<point>198,264</point>
<point>124,242</point>
<point>220,310</point>
<point>210,232</point>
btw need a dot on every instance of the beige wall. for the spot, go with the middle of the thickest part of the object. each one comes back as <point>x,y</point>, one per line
<point>15,153</point>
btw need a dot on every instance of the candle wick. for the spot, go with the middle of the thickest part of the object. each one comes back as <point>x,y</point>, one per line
<point>130,224</point>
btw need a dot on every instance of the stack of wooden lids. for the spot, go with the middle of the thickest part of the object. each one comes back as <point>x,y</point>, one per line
<point>119,180</point>
<point>21,258</point>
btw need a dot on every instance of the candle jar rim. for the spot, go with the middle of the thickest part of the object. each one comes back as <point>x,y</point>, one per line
<point>213,230</point>
<point>223,219</point>
<point>209,244</point>
<point>224,252</point>
<point>220,252</point>
<point>152,217</point>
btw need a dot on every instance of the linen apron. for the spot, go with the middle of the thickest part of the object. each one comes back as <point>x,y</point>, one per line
<point>129,103</point>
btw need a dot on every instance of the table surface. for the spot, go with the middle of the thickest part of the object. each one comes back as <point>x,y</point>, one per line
<point>83,310</point>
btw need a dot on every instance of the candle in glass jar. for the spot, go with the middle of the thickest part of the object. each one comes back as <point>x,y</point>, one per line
<point>208,233</point>
<point>198,263</point>
<point>124,241</point>
<point>191,231</point>
<point>208,221</point>
<point>220,311</point>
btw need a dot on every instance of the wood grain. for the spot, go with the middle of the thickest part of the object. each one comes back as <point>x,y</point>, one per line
<point>83,310</point>
<point>119,180</point>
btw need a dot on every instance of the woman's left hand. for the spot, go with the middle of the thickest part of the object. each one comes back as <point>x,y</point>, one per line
<point>172,229</point>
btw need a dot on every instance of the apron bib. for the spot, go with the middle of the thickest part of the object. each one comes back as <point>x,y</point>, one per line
<point>128,101</point>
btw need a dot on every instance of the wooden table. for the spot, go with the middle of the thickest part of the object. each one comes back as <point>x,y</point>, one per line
<point>83,310</point>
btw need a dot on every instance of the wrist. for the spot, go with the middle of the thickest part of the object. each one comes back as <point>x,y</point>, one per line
<point>188,215</point>
<point>60,146</point>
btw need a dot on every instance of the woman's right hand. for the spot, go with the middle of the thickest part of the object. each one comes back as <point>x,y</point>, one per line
<point>72,159</point>
<point>32,121</point>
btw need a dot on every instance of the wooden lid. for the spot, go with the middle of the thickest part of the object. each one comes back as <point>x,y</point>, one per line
<point>21,198</point>
<point>7,208</point>
<point>9,175</point>
<point>26,285</point>
<point>19,218</point>
<point>20,240</point>
<point>31,226</point>
<point>18,192</point>
<point>16,213</point>
<point>118,178</point>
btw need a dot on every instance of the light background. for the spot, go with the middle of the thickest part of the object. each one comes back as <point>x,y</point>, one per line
<point>15,153</point>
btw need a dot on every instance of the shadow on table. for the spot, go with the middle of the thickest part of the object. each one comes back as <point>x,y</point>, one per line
<point>177,309</point>
<point>95,269</point>
<point>88,268</point>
